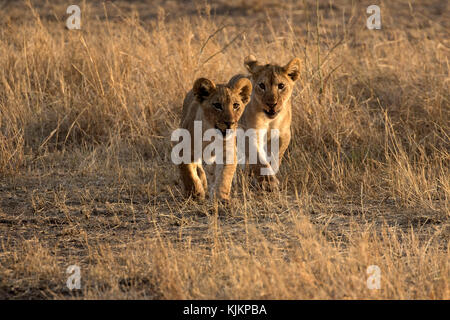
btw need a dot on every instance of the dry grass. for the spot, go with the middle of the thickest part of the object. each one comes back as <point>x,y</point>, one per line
<point>86,176</point>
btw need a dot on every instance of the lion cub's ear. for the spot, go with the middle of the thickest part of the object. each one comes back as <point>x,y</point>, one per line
<point>251,64</point>
<point>292,69</point>
<point>203,88</point>
<point>244,87</point>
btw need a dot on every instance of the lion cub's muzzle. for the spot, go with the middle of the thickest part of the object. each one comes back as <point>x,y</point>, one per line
<point>224,125</point>
<point>271,109</point>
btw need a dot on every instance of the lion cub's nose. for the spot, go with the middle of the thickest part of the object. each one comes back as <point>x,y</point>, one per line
<point>229,124</point>
<point>271,105</point>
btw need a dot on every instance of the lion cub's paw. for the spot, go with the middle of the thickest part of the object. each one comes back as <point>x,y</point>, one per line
<point>269,183</point>
<point>222,199</point>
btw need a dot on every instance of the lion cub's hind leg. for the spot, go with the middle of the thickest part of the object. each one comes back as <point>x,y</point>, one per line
<point>194,180</point>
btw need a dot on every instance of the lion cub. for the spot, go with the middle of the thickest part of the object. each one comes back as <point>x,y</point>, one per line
<point>218,107</point>
<point>270,108</point>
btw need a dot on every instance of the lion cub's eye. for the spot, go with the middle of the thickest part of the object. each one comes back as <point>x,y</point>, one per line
<point>218,106</point>
<point>236,106</point>
<point>280,86</point>
<point>262,86</point>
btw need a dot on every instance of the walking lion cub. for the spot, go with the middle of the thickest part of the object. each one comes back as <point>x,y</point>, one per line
<point>218,107</point>
<point>270,108</point>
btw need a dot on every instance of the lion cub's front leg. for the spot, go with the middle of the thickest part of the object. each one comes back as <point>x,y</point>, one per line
<point>194,180</point>
<point>224,172</point>
<point>268,182</point>
<point>223,179</point>
<point>262,170</point>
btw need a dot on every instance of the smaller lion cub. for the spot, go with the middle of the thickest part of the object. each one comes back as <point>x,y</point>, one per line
<point>218,107</point>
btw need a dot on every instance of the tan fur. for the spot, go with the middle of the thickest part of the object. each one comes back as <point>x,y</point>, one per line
<point>200,104</point>
<point>270,106</point>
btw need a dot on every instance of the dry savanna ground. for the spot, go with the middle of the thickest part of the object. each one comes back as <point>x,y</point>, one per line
<point>86,177</point>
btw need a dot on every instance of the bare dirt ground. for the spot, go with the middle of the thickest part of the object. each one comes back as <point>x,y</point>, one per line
<point>86,177</point>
